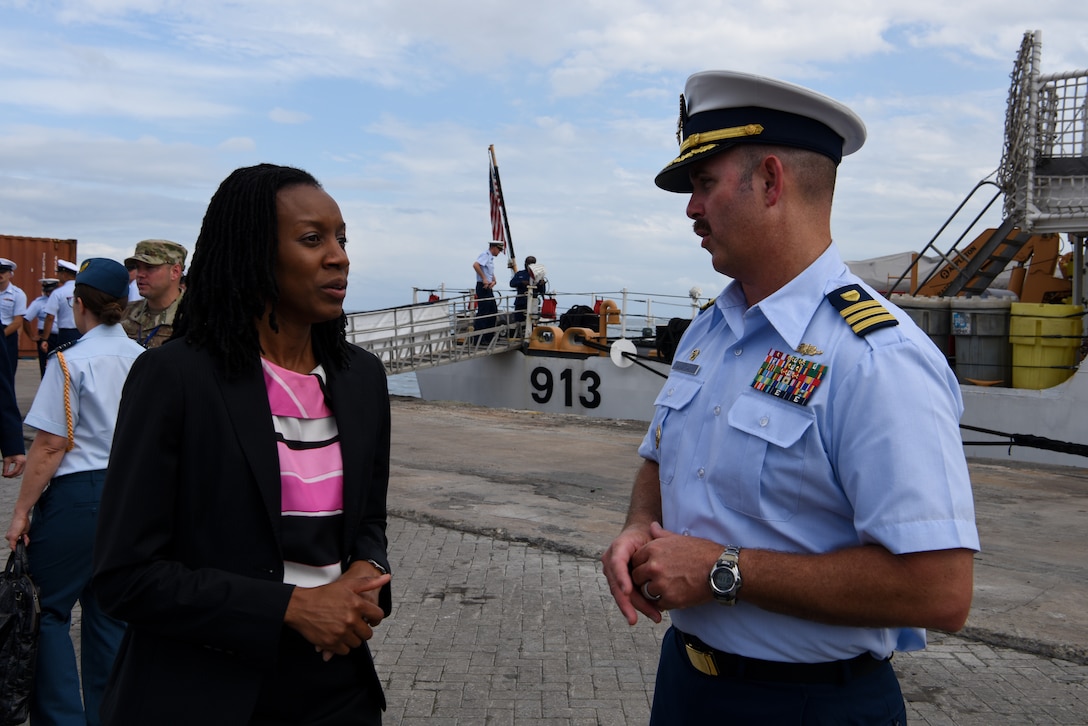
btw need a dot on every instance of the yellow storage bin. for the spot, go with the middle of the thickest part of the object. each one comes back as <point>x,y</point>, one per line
<point>1044,339</point>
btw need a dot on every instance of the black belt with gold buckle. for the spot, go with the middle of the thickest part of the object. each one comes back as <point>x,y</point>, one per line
<point>714,662</point>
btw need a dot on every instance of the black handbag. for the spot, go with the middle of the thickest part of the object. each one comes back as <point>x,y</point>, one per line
<point>20,618</point>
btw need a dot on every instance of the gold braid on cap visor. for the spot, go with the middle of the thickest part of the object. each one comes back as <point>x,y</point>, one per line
<point>705,141</point>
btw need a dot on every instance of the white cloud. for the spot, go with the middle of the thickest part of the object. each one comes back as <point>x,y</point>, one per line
<point>285,116</point>
<point>238,143</point>
<point>122,116</point>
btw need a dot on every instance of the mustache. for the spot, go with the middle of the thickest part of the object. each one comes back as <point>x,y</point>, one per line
<point>700,225</point>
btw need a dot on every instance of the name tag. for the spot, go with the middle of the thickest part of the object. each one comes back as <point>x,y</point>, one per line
<point>683,366</point>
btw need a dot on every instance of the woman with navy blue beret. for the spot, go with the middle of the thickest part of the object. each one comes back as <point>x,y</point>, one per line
<point>74,411</point>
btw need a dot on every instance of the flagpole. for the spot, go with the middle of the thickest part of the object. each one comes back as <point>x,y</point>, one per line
<point>502,204</point>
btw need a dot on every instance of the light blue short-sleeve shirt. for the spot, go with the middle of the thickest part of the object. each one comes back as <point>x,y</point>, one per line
<point>36,310</point>
<point>860,446</point>
<point>59,305</point>
<point>487,264</point>
<point>98,365</point>
<point>12,303</point>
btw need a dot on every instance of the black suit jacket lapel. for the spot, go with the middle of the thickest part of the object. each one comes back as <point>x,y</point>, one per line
<point>353,440</point>
<point>251,418</point>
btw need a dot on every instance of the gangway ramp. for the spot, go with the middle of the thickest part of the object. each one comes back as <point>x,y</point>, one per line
<point>412,337</point>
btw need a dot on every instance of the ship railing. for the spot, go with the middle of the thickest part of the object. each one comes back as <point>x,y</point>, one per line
<point>1044,167</point>
<point>431,333</point>
<point>441,326</point>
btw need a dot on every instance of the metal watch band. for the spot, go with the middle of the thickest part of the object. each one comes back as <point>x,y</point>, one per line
<point>730,558</point>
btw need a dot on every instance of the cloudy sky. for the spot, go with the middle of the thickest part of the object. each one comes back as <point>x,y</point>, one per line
<point>118,119</point>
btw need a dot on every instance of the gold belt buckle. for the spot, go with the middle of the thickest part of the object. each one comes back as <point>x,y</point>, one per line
<point>701,660</point>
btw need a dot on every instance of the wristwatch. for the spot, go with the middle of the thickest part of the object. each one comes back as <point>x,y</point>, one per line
<point>725,576</point>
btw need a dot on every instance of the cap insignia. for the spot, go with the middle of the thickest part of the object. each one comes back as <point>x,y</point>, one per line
<point>681,120</point>
<point>860,310</point>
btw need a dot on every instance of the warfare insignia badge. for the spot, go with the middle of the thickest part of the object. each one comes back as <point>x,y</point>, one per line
<point>809,349</point>
<point>681,121</point>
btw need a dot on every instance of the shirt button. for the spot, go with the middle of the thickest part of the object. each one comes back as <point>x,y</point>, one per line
<point>738,351</point>
<point>671,391</point>
<point>702,472</point>
<point>764,421</point>
<point>717,410</point>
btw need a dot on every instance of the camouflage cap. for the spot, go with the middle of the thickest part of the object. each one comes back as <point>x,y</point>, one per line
<point>158,252</point>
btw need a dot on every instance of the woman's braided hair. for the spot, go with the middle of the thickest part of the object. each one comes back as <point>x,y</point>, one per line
<point>232,276</point>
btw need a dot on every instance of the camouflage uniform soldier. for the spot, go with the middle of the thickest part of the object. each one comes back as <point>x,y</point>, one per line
<point>159,266</point>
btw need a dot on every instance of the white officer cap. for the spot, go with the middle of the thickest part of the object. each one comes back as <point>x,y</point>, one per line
<point>721,109</point>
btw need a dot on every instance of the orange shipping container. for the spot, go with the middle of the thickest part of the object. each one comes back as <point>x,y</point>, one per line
<point>35,258</point>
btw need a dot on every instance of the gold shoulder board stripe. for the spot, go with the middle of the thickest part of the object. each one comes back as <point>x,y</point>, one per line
<point>861,311</point>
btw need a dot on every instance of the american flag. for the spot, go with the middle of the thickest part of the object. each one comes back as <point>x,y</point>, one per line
<point>497,233</point>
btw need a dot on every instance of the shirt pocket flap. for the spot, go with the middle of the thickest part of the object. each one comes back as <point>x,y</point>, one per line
<point>678,393</point>
<point>767,418</point>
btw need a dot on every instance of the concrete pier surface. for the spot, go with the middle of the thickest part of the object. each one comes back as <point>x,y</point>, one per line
<point>501,614</point>
<point>553,490</point>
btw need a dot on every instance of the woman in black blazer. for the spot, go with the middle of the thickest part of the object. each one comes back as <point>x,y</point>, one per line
<point>240,610</point>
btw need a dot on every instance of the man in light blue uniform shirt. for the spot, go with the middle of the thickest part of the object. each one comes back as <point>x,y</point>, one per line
<point>12,312</point>
<point>34,322</point>
<point>58,309</point>
<point>486,307</point>
<point>803,508</point>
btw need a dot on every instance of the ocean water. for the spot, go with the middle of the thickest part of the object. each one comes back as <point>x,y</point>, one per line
<point>404,384</point>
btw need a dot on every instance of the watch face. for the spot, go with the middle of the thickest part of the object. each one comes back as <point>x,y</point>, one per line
<point>723,579</point>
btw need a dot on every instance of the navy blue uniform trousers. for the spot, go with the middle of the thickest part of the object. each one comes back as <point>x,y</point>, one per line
<point>685,696</point>
<point>61,542</point>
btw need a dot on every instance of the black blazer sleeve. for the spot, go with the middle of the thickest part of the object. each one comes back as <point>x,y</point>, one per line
<point>360,401</point>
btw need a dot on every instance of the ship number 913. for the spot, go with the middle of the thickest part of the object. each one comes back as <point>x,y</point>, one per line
<point>543,383</point>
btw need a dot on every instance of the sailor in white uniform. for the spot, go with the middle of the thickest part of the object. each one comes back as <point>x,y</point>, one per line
<point>58,309</point>
<point>12,310</point>
<point>34,320</point>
